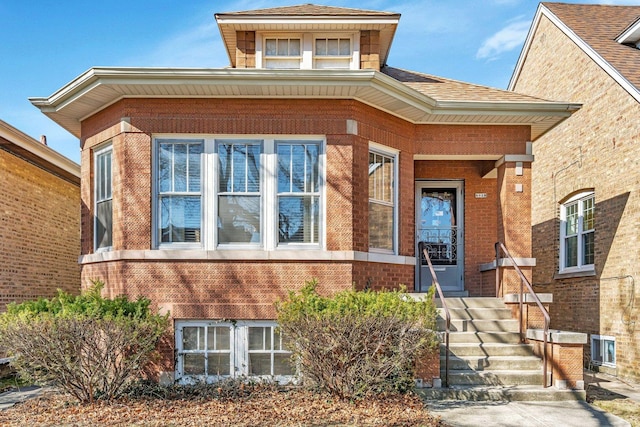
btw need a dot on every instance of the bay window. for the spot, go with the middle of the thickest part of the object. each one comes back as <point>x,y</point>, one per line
<point>382,200</point>
<point>238,193</point>
<point>103,218</point>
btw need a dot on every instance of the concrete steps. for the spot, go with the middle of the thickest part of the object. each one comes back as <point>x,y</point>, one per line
<point>487,360</point>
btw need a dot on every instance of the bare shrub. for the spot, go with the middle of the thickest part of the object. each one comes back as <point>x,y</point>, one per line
<point>357,343</point>
<point>86,345</point>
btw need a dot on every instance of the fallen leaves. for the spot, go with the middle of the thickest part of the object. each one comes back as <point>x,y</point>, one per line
<point>273,407</point>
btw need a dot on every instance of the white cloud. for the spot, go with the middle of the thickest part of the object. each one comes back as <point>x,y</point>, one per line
<point>505,40</point>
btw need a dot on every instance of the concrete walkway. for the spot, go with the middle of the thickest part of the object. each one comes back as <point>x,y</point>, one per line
<point>459,413</point>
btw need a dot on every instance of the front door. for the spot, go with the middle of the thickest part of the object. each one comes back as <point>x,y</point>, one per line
<point>439,230</point>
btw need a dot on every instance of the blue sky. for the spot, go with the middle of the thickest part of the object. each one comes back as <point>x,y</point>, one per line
<point>47,44</point>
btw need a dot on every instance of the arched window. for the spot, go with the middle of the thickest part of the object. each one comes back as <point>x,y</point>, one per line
<point>577,229</point>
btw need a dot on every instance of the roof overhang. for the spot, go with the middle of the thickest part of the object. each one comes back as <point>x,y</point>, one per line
<point>24,146</point>
<point>100,87</point>
<point>228,24</point>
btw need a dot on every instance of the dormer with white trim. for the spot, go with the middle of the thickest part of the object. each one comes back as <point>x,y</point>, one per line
<point>308,37</point>
<point>631,36</point>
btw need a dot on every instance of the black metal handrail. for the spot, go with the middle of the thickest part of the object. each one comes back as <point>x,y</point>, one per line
<point>524,281</point>
<point>447,315</point>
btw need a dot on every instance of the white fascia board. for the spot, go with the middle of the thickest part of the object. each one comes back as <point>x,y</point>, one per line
<point>46,153</point>
<point>591,53</point>
<point>549,108</point>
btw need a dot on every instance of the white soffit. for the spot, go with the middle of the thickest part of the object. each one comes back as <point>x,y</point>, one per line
<point>100,87</point>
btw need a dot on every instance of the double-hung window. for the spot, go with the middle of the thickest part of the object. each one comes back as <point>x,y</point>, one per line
<point>577,230</point>
<point>298,193</point>
<point>332,52</point>
<point>282,52</point>
<point>179,191</point>
<point>239,193</point>
<point>382,200</point>
<point>103,220</point>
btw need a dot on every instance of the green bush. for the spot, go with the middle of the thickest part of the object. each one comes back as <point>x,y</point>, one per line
<point>357,343</point>
<point>89,346</point>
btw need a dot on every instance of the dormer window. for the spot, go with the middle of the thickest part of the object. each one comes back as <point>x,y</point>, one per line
<point>332,52</point>
<point>307,51</point>
<point>282,52</point>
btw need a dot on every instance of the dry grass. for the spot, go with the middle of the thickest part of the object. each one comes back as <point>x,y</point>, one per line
<point>270,407</point>
<point>614,403</point>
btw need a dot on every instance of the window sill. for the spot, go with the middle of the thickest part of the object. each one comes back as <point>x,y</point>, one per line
<point>574,274</point>
<point>245,255</point>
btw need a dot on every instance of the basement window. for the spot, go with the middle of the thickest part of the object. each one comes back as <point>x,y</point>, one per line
<point>603,350</point>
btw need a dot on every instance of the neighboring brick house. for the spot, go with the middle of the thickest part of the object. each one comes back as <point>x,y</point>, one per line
<point>586,177</point>
<point>39,219</point>
<point>308,158</point>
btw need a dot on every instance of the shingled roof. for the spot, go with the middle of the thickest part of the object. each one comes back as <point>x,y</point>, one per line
<point>443,89</point>
<point>595,29</point>
<point>599,26</point>
<point>310,10</point>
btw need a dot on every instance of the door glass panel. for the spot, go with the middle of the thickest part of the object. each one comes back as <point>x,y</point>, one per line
<point>437,230</point>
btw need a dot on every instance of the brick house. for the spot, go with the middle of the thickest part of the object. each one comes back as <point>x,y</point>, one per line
<point>586,177</point>
<point>216,191</point>
<point>39,219</point>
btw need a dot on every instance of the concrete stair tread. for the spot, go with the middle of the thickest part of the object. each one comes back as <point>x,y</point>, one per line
<point>471,302</point>
<point>501,393</point>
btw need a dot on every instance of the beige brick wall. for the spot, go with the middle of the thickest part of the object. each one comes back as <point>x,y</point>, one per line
<point>39,232</point>
<point>597,148</point>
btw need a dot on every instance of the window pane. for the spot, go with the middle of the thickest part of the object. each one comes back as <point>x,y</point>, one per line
<point>283,47</point>
<point>588,217</point>
<point>587,248</point>
<point>332,47</point>
<point>572,219</point>
<point>218,364</point>
<point>284,168</point>
<point>380,226</point>
<point>312,177</point>
<point>298,219</point>
<point>282,364</point>
<point>294,47</point>
<point>194,364</point>
<point>253,168</point>
<point>223,338</point>
<point>259,364</point>
<point>571,251</point>
<point>345,47</point>
<point>271,47</point>
<point>239,166</point>
<point>610,352</point>
<point>180,167</point>
<point>195,151</point>
<point>277,341</point>
<point>165,170</point>
<point>180,219</point>
<point>193,338</point>
<point>321,46</point>
<point>256,338</point>
<point>596,351</point>
<point>298,168</point>
<point>104,224</point>
<point>239,219</point>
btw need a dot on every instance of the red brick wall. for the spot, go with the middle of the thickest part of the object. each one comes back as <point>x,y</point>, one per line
<point>39,232</point>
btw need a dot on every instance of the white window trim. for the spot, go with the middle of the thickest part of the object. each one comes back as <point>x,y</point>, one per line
<point>108,147</point>
<point>155,213</point>
<point>209,193</point>
<point>307,44</point>
<point>395,154</point>
<point>580,268</point>
<point>239,354</point>
<point>601,339</point>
